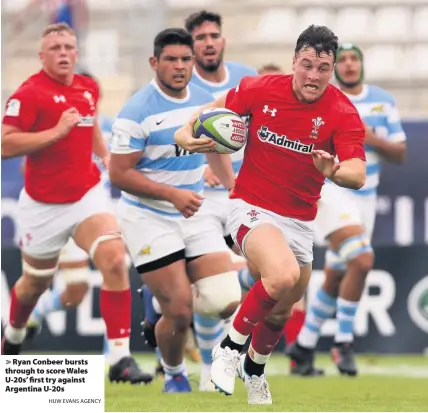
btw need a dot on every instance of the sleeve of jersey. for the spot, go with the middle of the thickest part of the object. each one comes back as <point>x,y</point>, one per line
<point>129,133</point>
<point>349,139</point>
<point>395,129</point>
<point>241,98</point>
<point>21,112</point>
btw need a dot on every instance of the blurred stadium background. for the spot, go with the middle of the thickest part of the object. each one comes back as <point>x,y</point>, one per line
<point>116,39</point>
<point>115,42</point>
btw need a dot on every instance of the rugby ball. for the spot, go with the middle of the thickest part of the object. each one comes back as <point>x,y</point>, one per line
<point>223,126</point>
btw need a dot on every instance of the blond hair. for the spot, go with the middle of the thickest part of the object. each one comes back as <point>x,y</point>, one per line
<point>58,28</point>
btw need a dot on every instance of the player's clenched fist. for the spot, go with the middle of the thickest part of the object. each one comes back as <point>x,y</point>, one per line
<point>69,119</point>
<point>186,201</point>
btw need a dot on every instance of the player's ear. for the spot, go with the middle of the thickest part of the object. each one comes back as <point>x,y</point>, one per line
<point>293,65</point>
<point>153,62</point>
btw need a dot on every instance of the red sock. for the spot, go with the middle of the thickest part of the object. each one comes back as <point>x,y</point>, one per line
<point>19,312</point>
<point>255,307</point>
<point>115,309</point>
<point>265,337</point>
<point>293,326</point>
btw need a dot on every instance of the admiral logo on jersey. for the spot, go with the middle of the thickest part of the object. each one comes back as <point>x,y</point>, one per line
<point>265,135</point>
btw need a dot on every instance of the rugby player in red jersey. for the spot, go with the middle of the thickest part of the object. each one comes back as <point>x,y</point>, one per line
<point>51,119</point>
<point>299,123</point>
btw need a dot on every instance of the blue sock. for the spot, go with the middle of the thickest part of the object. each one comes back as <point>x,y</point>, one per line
<point>321,309</point>
<point>208,332</point>
<point>245,279</point>
<point>49,302</point>
<point>346,312</point>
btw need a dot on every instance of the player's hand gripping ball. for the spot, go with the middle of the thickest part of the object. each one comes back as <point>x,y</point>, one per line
<point>223,126</point>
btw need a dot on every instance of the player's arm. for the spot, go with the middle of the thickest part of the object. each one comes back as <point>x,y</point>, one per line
<point>237,100</point>
<point>20,116</point>
<point>123,175</point>
<point>392,147</point>
<point>127,148</point>
<point>348,142</point>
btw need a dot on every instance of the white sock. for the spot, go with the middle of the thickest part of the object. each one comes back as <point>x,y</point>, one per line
<point>171,371</point>
<point>118,348</point>
<point>14,335</point>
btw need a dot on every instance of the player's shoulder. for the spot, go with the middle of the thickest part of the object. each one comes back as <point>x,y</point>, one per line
<point>140,104</point>
<point>198,93</point>
<point>31,84</point>
<point>379,94</point>
<point>240,69</point>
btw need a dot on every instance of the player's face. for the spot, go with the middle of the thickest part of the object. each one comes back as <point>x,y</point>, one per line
<point>349,67</point>
<point>58,53</point>
<point>312,74</point>
<point>174,66</point>
<point>209,46</point>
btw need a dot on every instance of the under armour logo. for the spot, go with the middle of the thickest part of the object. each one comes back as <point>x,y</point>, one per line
<point>58,99</point>
<point>271,111</point>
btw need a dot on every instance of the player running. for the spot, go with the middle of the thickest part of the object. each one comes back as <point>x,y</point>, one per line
<point>346,218</point>
<point>51,120</point>
<point>73,265</point>
<point>172,238</point>
<point>216,76</point>
<point>298,124</point>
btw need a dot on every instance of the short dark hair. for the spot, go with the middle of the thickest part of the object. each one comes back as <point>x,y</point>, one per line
<point>321,38</point>
<point>196,19</point>
<point>171,36</point>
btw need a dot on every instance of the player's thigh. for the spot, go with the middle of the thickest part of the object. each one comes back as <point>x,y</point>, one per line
<point>206,251</point>
<point>367,207</point>
<point>336,210</point>
<point>152,241</point>
<point>44,230</point>
<point>171,287</point>
<point>97,231</point>
<point>260,238</point>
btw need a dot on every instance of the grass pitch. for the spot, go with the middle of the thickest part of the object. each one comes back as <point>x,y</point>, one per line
<point>384,384</point>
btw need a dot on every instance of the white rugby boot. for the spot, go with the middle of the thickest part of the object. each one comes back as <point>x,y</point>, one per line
<point>223,369</point>
<point>257,386</point>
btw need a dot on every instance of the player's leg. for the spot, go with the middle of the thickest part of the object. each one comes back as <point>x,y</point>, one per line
<point>339,221</point>
<point>355,248</point>
<point>74,271</point>
<point>265,337</point>
<point>97,232</point>
<point>156,248</point>
<point>257,234</point>
<point>44,230</point>
<point>216,286</point>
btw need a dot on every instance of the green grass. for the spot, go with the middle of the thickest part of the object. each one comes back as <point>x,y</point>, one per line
<point>385,384</point>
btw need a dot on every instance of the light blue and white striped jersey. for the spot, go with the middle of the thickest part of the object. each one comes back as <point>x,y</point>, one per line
<point>147,123</point>
<point>377,108</point>
<point>234,73</point>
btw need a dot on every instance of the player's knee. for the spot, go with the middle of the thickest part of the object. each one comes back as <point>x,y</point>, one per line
<point>112,258</point>
<point>358,252</point>
<point>218,295</point>
<point>182,317</point>
<point>75,293</point>
<point>363,263</point>
<point>281,278</point>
